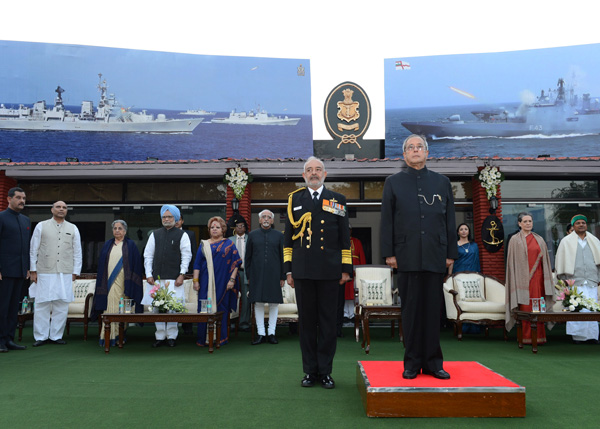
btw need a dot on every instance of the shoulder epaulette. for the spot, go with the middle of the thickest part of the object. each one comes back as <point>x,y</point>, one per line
<point>297,190</point>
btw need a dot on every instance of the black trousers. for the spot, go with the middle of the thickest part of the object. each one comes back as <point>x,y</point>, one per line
<point>340,309</point>
<point>420,300</point>
<point>10,293</point>
<point>317,310</point>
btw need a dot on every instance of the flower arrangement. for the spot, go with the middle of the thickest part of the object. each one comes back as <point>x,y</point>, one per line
<point>164,300</point>
<point>573,300</point>
<point>490,177</point>
<point>237,179</point>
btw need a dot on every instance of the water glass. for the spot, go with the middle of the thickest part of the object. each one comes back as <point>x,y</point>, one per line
<point>128,306</point>
<point>204,306</point>
<point>535,305</point>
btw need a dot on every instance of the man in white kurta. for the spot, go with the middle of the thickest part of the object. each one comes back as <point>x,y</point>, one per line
<point>166,257</point>
<point>55,260</point>
<point>578,258</point>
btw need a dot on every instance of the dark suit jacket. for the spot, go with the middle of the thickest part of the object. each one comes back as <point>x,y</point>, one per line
<point>327,255</point>
<point>15,232</point>
<point>418,230</point>
<point>194,245</point>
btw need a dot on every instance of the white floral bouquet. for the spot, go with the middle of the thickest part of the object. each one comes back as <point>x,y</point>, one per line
<point>237,179</point>
<point>490,177</point>
<point>573,300</point>
<point>164,300</point>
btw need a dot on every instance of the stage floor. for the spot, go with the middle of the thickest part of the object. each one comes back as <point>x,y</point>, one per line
<point>472,391</point>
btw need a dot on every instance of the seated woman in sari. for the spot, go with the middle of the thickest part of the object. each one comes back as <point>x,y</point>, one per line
<point>528,275</point>
<point>119,275</point>
<point>215,275</point>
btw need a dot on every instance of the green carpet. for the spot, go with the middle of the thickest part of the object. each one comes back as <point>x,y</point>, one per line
<point>246,386</point>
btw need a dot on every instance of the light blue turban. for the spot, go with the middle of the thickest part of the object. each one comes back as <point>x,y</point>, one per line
<point>174,211</point>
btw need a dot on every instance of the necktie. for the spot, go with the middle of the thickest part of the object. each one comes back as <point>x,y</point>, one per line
<point>316,199</point>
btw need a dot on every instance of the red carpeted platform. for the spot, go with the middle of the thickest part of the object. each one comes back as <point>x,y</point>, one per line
<point>472,391</point>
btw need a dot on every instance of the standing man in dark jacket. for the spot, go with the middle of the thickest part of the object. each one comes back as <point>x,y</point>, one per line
<point>264,268</point>
<point>317,259</point>
<point>167,258</point>
<point>15,230</point>
<point>417,238</point>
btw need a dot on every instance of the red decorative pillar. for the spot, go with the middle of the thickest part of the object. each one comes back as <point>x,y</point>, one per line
<point>5,184</point>
<point>492,264</point>
<point>245,204</point>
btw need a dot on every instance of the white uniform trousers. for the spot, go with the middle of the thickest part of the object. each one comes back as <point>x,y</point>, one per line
<point>259,314</point>
<point>49,320</point>
<point>349,308</point>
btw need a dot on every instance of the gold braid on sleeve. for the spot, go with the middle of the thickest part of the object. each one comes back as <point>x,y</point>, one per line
<point>347,256</point>
<point>304,219</point>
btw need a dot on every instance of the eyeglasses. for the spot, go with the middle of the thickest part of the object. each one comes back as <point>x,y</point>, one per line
<point>412,147</point>
<point>168,217</point>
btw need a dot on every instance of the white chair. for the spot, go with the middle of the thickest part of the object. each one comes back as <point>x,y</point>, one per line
<point>81,307</point>
<point>374,299</point>
<point>287,311</point>
<point>475,298</point>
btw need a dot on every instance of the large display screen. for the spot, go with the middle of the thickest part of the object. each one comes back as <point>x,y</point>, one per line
<point>534,103</point>
<point>102,104</point>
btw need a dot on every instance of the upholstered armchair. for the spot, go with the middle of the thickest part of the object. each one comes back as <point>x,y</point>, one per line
<point>474,298</point>
<point>374,299</point>
<point>287,312</point>
<point>81,307</point>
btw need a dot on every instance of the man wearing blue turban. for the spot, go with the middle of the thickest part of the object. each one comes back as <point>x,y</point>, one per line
<point>166,258</point>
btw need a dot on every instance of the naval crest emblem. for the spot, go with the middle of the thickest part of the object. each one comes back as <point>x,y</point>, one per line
<point>347,114</point>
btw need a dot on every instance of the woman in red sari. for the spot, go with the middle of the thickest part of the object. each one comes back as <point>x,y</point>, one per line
<point>528,275</point>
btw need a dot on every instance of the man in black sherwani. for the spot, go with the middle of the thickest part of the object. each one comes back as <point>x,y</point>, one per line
<point>317,259</point>
<point>15,231</point>
<point>264,267</point>
<point>418,238</point>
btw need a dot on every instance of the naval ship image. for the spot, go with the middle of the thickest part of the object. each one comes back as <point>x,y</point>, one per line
<point>557,112</point>
<point>109,116</point>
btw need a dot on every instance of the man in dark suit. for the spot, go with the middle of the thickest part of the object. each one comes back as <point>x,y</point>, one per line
<point>418,238</point>
<point>317,259</point>
<point>187,327</point>
<point>15,230</point>
<point>193,243</point>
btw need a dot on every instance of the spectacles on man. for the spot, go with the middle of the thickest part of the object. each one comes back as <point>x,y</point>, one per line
<point>412,147</point>
<point>168,217</point>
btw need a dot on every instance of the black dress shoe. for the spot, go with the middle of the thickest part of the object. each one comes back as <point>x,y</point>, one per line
<point>3,348</point>
<point>308,380</point>
<point>327,382</point>
<point>273,339</point>
<point>158,343</point>
<point>409,374</point>
<point>60,342</point>
<point>40,343</point>
<point>11,345</point>
<point>259,340</point>
<point>440,374</point>
<point>171,342</point>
